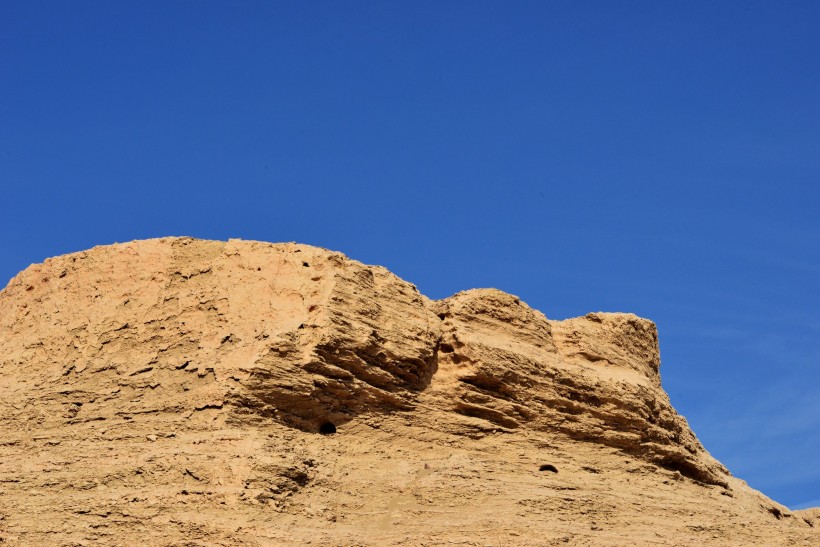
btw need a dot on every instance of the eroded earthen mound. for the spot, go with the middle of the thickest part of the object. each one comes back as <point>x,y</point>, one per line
<point>182,391</point>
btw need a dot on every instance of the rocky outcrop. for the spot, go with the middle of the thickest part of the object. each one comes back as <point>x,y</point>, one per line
<point>593,378</point>
<point>250,393</point>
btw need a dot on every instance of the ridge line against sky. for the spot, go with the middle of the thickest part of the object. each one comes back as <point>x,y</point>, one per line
<point>650,157</point>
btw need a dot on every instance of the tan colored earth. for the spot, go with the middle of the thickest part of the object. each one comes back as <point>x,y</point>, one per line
<point>186,392</point>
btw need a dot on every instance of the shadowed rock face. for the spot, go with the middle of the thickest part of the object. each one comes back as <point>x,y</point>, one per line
<point>289,332</point>
<point>593,378</point>
<point>151,352</point>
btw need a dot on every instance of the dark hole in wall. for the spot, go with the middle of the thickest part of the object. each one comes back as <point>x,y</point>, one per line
<point>327,428</point>
<point>446,348</point>
<point>683,467</point>
<point>305,264</point>
<point>548,467</point>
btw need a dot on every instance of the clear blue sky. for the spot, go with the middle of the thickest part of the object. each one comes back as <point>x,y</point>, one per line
<point>657,157</point>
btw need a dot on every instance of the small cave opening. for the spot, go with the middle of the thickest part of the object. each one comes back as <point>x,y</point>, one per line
<point>327,428</point>
<point>305,264</point>
<point>446,348</point>
<point>548,467</point>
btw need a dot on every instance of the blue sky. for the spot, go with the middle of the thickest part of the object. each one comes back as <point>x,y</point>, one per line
<point>656,157</point>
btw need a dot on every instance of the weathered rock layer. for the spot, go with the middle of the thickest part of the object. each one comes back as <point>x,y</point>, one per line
<point>175,389</point>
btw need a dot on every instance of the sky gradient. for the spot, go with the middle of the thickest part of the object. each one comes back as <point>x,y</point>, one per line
<point>654,157</point>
